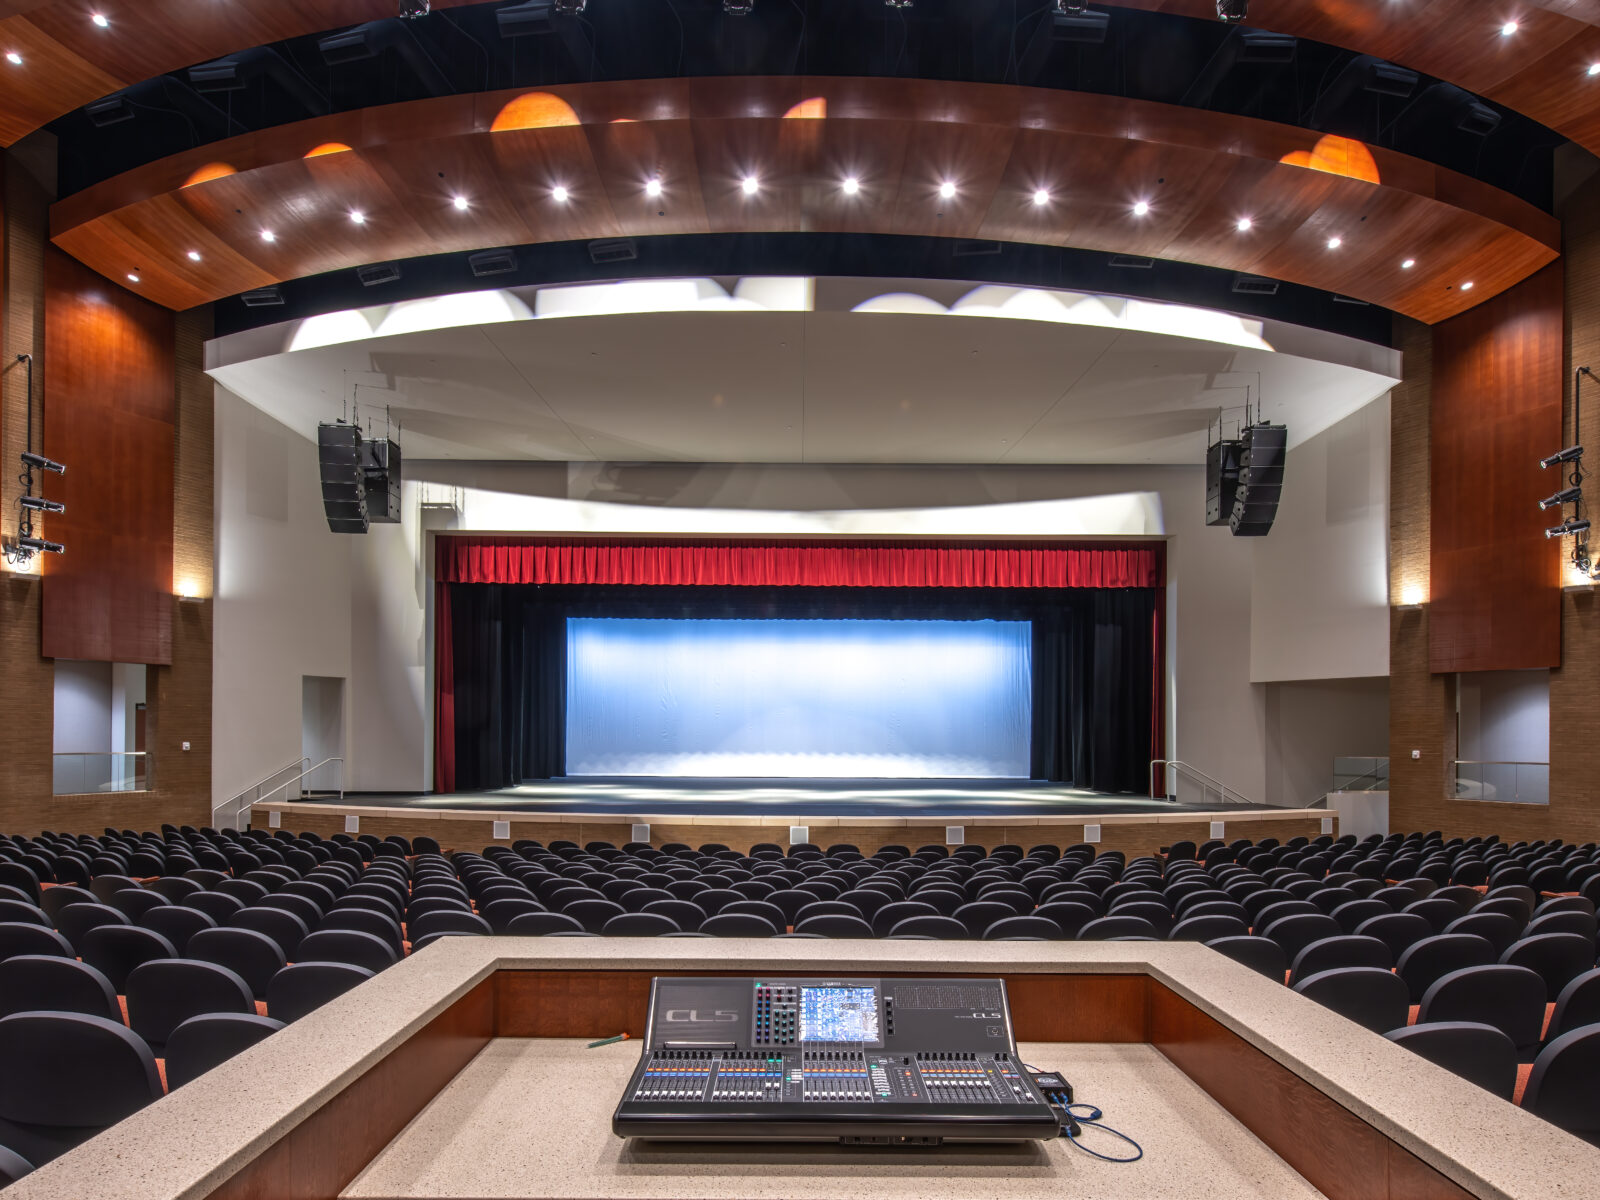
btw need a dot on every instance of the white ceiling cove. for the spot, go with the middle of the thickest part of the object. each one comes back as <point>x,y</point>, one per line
<point>799,371</point>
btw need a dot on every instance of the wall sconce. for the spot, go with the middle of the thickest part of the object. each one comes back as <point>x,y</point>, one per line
<point>1411,597</point>
<point>188,593</point>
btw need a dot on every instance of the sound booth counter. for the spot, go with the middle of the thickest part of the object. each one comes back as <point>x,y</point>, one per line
<point>465,1072</point>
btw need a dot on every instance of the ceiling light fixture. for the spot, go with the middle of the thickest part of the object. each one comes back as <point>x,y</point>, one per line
<point>194,256</point>
<point>1141,208</point>
<point>559,194</point>
<point>1467,286</point>
<point>132,278</point>
<point>1041,197</point>
<point>851,186</point>
<point>1244,225</point>
<point>461,203</point>
<point>738,8</point>
<point>357,217</point>
<point>1594,68</point>
<point>1509,28</point>
<point>268,236</point>
<point>947,189</point>
<point>100,20</point>
<point>653,188</point>
<point>1335,242</point>
<point>1408,264</point>
<point>750,185</point>
<point>13,58</point>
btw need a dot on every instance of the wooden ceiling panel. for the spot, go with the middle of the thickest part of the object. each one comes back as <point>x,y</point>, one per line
<point>1199,171</point>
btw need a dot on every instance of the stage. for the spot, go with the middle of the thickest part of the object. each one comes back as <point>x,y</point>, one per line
<point>742,812</point>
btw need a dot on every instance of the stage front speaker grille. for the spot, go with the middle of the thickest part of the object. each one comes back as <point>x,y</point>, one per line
<point>1261,459</point>
<point>344,482</point>
<point>381,463</point>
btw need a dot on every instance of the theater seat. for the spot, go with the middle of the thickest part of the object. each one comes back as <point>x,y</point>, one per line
<point>12,1167</point>
<point>1561,1088</point>
<point>66,1077</point>
<point>303,987</point>
<point>1476,1052</point>
<point>1369,996</point>
<point>1258,953</point>
<point>33,982</point>
<point>348,946</point>
<point>203,1042</point>
<point>161,995</point>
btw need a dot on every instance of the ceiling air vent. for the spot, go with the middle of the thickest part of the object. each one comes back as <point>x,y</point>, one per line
<point>1254,285</point>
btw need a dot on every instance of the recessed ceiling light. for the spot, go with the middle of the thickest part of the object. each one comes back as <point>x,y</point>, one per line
<point>194,256</point>
<point>1594,68</point>
<point>268,236</point>
<point>653,188</point>
<point>1467,286</point>
<point>851,186</point>
<point>100,20</point>
<point>1408,264</point>
<point>1335,242</point>
<point>1244,225</point>
<point>559,194</point>
<point>132,278</point>
<point>1041,197</point>
<point>461,203</point>
<point>750,185</point>
<point>1509,28</point>
<point>1141,208</point>
<point>947,189</point>
<point>357,217</point>
<point>13,58</point>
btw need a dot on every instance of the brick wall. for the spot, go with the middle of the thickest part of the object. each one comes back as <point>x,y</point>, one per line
<point>1422,705</point>
<point>179,696</point>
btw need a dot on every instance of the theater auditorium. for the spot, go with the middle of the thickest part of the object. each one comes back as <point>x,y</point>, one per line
<point>799,599</point>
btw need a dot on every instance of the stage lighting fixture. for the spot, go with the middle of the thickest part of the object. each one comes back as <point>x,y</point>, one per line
<point>267,297</point>
<point>897,3</point>
<point>1233,11</point>
<point>1570,454</point>
<point>412,9</point>
<point>492,262</point>
<point>40,463</point>
<point>571,8</point>
<point>378,273</point>
<point>738,8</point>
<point>40,504</point>
<point>1072,6</point>
<point>1566,528</point>
<point>41,546</point>
<point>1569,495</point>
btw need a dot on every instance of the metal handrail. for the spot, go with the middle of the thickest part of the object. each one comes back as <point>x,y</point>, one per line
<point>336,759</point>
<point>1499,762</point>
<point>100,753</point>
<point>237,802</point>
<point>1224,792</point>
<point>1354,779</point>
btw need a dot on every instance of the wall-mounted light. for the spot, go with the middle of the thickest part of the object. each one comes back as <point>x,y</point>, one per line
<point>1411,597</point>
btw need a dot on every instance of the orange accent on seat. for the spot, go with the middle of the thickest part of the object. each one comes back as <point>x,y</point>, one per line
<point>1337,156</point>
<point>1413,1013</point>
<point>161,1070</point>
<point>261,1008</point>
<point>1549,1014</point>
<point>1523,1071</point>
<point>122,1003</point>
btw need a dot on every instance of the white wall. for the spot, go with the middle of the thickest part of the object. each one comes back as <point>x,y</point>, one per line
<point>1319,595</point>
<point>82,706</point>
<point>282,594</point>
<point>1311,723</point>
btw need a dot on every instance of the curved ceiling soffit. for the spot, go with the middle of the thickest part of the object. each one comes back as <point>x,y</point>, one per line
<point>1025,165</point>
<point>1541,70</point>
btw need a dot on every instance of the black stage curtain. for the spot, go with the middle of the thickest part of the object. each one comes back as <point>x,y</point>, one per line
<point>1094,669</point>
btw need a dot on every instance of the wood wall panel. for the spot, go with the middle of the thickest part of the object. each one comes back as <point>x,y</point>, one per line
<point>1495,412</point>
<point>1199,170</point>
<point>329,1148</point>
<point>110,417</point>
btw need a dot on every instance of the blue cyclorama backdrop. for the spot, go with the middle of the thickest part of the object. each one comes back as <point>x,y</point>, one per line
<point>857,699</point>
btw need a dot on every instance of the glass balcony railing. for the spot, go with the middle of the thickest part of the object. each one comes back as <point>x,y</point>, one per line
<point>90,772</point>
<point>1506,782</point>
<point>1357,774</point>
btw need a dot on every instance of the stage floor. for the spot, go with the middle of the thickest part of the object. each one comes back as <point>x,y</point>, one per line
<point>787,797</point>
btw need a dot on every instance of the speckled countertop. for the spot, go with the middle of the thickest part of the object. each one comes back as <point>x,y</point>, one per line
<point>184,1146</point>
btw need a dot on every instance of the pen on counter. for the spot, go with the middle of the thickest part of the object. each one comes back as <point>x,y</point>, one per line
<point>621,1037</point>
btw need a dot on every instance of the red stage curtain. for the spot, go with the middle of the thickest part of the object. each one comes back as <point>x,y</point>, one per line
<point>444,693</point>
<point>724,563</point>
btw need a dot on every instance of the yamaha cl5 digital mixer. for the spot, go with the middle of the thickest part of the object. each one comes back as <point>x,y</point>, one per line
<point>869,1061</point>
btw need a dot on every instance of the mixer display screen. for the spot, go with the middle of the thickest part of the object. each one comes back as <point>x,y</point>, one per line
<point>839,1014</point>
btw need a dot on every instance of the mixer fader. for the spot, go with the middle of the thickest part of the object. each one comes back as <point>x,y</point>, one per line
<point>902,1061</point>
